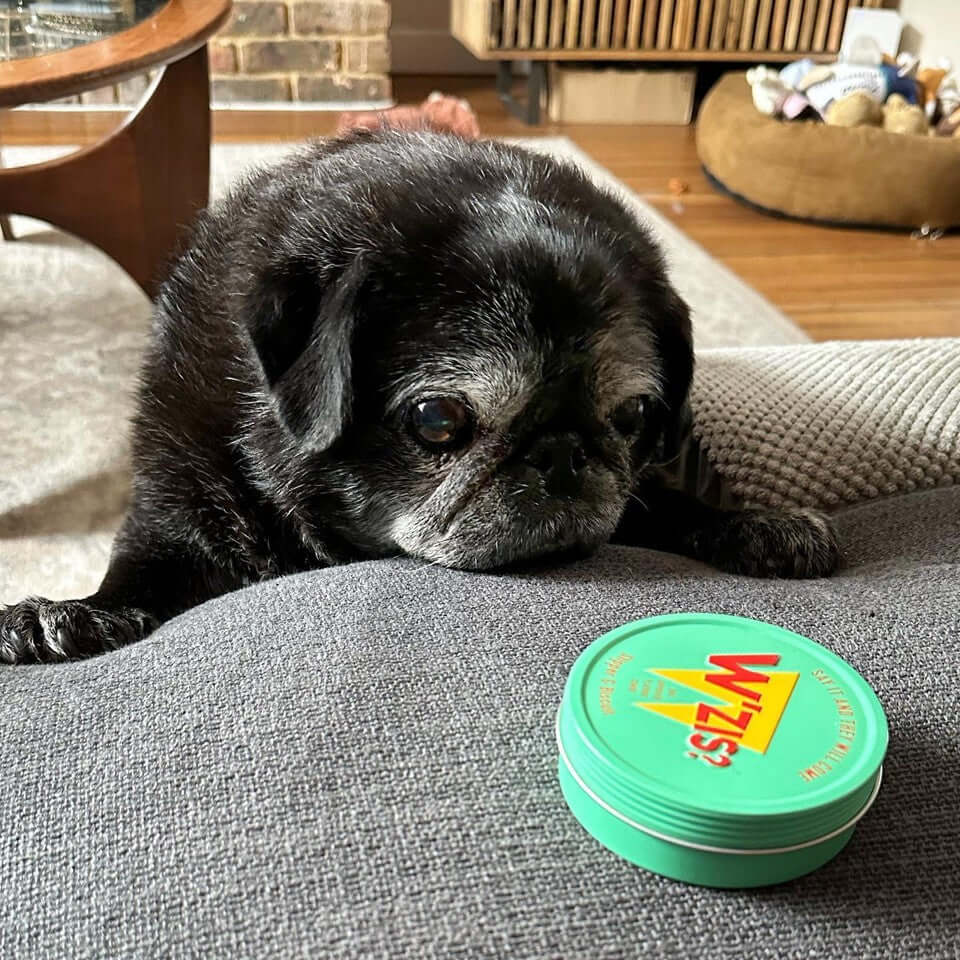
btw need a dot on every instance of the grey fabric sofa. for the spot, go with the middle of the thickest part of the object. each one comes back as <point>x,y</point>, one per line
<point>360,762</point>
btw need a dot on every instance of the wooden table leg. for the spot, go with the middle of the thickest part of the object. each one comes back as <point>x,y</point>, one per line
<point>6,231</point>
<point>133,192</point>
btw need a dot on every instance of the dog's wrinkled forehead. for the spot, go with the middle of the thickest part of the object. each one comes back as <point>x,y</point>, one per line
<point>498,377</point>
<point>503,370</point>
<point>503,317</point>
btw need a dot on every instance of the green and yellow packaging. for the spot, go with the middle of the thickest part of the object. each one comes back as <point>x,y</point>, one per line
<point>718,750</point>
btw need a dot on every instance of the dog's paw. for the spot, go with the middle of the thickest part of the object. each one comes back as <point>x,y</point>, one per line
<point>776,543</point>
<point>45,631</point>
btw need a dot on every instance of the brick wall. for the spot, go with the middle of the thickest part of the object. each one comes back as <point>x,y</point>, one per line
<point>303,50</point>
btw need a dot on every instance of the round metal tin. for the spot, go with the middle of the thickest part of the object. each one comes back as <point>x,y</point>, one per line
<point>718,750</point>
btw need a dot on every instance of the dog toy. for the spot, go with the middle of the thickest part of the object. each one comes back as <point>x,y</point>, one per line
<point>902,117</point>
<point>929,80</point>
<point>818,74</point>
<point>907,64</point>
<point>773,94</point>
<point>856,109</point>
<point>806,89</point>
<point>438,113</point>
<point>768,90</point>
<point>949,126</point>
<point>949,96</point>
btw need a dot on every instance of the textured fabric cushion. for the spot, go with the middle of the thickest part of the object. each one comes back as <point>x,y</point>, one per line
<point>829,424</point>
<point>862,175</point>
<point>360,762</point>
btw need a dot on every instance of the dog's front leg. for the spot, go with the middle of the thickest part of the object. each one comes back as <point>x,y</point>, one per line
<point>148,581</point>
<point>757,543</point>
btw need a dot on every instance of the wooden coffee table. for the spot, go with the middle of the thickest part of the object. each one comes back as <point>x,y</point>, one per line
<point>131,193</point>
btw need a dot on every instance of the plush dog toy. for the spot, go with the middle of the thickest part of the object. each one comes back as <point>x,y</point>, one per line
<point>857,109</point>
<point>902,117</point>
<point>773,95</point>
<point>949,126</point>
<point>439,113</point>
<point>929,81</point>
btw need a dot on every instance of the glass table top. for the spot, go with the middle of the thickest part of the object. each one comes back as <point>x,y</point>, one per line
<point>32,28</point>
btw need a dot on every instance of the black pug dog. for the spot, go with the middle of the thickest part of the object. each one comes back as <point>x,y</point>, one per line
<point>405,343</point>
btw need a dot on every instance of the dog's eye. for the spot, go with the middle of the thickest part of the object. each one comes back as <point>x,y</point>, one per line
<point>440,422</point>
<point>628,416</point>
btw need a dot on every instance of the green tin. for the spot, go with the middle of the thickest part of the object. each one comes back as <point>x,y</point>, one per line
<point>718,750</point>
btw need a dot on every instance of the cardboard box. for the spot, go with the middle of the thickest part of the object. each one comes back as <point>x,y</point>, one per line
<point>584,94</point>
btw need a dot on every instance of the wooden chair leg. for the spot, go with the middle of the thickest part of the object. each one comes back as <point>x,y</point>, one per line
<point>133,192</point>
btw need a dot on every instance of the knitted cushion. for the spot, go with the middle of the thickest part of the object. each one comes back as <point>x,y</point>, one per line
<point>827,424</point>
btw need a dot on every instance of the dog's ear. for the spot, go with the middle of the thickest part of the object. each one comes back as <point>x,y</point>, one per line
<point>675,338</point>
<point>303,331</point>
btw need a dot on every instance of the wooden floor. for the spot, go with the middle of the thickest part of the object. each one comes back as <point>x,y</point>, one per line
<point>835,284</point>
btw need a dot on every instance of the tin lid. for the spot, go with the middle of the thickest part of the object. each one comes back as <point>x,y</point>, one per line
<point>722,731</point>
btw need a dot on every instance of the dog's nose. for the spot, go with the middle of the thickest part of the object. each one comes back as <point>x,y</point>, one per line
<point>560,458</point>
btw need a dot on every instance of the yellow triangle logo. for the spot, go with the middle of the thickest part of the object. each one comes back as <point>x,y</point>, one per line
<point>745,702</point>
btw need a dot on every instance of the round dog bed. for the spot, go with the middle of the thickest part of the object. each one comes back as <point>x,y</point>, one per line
<point>856,176</point>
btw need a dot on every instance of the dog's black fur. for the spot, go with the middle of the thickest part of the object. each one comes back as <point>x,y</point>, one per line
<point>320,306</point>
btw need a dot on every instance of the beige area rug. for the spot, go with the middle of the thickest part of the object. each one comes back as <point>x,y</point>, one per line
<point>72,327</point>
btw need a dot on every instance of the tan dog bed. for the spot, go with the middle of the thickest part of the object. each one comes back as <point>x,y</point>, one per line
<point>860,175</point>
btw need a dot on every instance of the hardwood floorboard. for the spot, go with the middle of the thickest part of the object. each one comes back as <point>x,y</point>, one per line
<point>835,283</point>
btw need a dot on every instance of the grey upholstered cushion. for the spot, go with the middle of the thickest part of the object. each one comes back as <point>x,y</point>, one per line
<point>827,424</point>
<point>360,762</point>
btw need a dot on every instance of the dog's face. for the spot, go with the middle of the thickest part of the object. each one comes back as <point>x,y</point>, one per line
<point>487,399</point>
